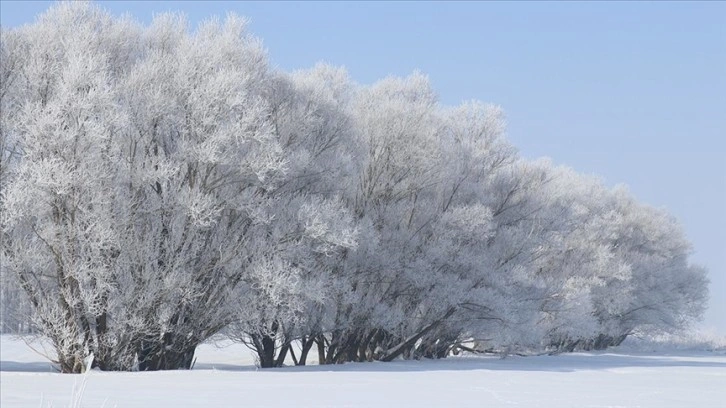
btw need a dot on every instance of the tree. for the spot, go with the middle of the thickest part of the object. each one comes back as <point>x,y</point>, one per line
<point>13,305</point>
<point>202,163</point>
<point>282,300</point>
<point>658,290</point>
<point>60,236</point>
<point>133,215</point>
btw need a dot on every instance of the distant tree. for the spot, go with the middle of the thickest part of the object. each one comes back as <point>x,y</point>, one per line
<point>658,290</point>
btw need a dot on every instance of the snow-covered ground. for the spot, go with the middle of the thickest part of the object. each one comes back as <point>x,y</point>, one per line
<point>226,377</point>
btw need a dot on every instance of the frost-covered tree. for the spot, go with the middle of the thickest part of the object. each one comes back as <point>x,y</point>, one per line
<point>282,300</point>
<point>659,290</point>
<point>60,230</point>
<point>144,167</point>
<point>203,164</point>
<point>159,185</point>
<point>12,302</point>
<point>395,135</point>
<point>613,249</point>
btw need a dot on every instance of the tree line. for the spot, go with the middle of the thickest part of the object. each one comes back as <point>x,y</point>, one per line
<point>160,185</point>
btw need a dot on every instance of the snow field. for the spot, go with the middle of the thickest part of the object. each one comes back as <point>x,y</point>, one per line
<point>227,377</point>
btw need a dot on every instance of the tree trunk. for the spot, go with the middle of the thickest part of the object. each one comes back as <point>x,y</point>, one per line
<point>307,344</point>
<point>71,363</point>
<point>411,341</point>
<point>283,354</point>
<point>619,340</point>
<point>320,341</point>
<point>165,354</point>
<point>267,353</point>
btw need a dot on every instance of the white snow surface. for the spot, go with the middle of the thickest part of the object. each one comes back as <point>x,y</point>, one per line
<point>225,376</point>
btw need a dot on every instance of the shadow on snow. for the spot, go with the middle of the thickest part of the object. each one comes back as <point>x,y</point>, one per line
<point>561,363</point>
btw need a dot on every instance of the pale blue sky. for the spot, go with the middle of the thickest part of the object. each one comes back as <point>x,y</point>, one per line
<point>632,92</point>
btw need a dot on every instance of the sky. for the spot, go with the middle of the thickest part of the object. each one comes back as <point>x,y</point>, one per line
<point>633,92</point>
